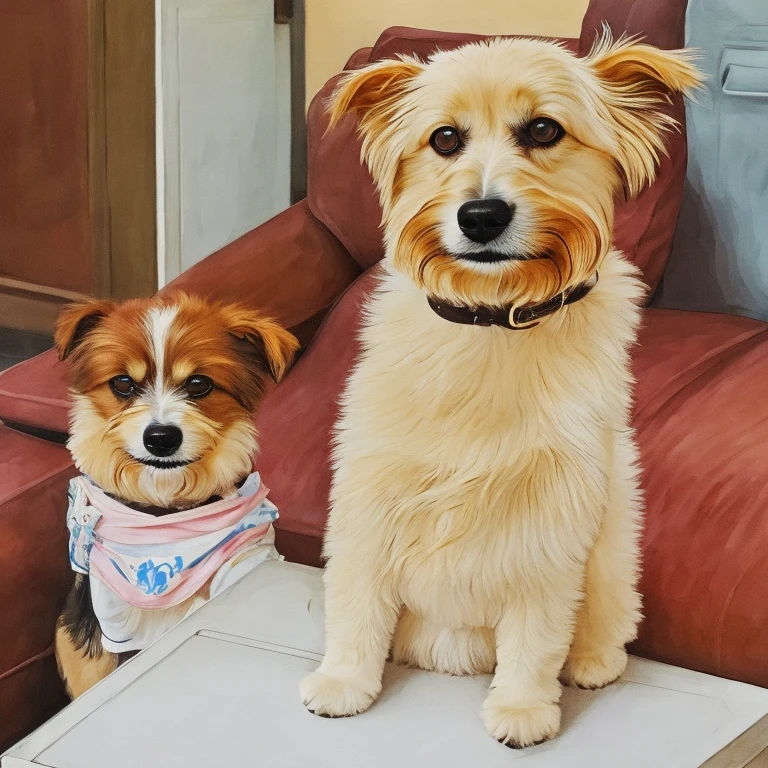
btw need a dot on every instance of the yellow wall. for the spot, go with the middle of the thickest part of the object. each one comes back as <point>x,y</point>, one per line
<point>337,28</point>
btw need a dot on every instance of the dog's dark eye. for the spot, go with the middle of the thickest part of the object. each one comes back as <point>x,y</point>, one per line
<point>544,130</point>
<point>123,386</point>
<point>445,140</point>
<point>198,386</point>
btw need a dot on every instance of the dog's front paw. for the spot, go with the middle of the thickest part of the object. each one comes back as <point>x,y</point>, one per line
<point>333,696</point>
<point>519,725</point>
<point>594,670</point>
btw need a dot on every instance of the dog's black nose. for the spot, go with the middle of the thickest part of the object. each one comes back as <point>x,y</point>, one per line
<point>484,220</point>
<point>162,439</point>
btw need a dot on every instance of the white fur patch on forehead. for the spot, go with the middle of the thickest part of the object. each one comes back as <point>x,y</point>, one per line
<point>158,326</point>
<point>167,405</point>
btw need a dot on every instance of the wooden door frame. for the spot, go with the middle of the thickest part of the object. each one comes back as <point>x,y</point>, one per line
<point>121,144</point>
<point>293,13</point>
<point>298,97</point>
<point>122,179</point>
<point>121,168</point>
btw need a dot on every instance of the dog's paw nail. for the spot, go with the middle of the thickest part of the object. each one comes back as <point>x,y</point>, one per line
<point>515,745</point>
<point>590,671</point>
<point>322,714</point>
<point>509,744</point>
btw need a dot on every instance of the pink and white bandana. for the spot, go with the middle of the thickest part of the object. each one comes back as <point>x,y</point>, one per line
<point>139,561</point>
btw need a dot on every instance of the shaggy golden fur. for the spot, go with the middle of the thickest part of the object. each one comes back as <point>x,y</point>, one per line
<point>485,506</point>
<point>163,344</point>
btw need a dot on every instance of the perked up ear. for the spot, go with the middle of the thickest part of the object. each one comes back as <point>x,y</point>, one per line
<point>271,346</point>
<point>76,321</point>
<point>637,81</point>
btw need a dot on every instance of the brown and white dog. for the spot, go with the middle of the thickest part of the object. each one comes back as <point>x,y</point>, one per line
<point>164,391</point>
<point>485,506</point>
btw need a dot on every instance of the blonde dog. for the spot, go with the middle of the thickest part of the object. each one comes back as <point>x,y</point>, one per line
<point>485,505</point>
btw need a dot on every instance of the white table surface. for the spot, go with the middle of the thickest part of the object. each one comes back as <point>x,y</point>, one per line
<point>221,689</point>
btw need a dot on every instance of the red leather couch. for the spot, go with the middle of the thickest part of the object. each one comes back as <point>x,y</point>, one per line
<point>701,413</point>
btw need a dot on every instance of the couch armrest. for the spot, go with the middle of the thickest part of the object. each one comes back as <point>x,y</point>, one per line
<point>34,578</point>
<point>292,268</point>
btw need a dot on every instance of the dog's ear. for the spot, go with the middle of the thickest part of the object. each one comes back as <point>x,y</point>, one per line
<point>267,345</point>
<point>376,94</point>
<point>637,81</point>
<point>76,321</point>
<point>372,93</point>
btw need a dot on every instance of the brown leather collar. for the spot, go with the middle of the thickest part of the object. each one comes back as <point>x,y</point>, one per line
<point>522,318</point>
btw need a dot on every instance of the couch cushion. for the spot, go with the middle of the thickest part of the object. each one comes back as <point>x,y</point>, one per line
<point>659,22</point>
<point>34,393</point>
<point>702,424</point>
<point>342,195</point>
<point>34,578</point>
<point>295,422</point>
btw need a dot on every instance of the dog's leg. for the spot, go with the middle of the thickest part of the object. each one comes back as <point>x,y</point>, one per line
<point>78,668</point>
<point>532,641</point>
<point>81,660</point>
<point>360,617</point>
<point>611,610</point>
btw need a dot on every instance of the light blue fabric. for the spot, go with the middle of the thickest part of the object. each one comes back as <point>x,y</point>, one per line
<point>80,528</point>
<point>720,256</point>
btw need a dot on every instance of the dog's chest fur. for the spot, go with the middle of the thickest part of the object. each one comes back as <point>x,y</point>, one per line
<point>472,453</point>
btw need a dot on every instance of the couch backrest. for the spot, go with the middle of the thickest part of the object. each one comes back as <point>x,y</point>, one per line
<point>341,193</point>
<point>720,256</point>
